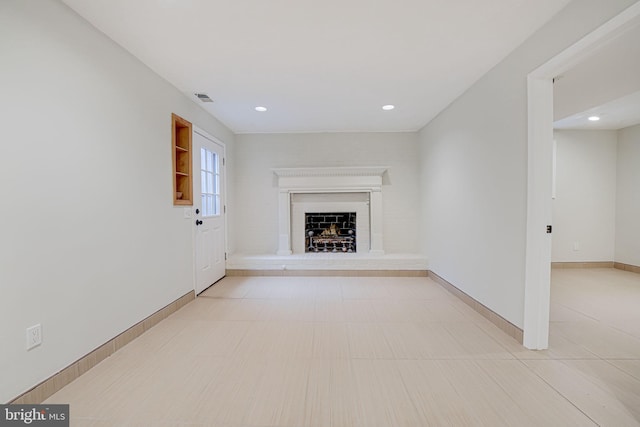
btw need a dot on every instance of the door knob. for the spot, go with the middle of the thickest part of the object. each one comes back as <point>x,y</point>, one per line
<point>198,222</point>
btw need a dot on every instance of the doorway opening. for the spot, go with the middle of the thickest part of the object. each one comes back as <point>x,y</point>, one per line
<point>208,210</point>
<point>540,140</point>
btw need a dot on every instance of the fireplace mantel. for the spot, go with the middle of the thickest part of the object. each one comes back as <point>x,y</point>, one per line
<point>332,171</point>
<point>365,179</point>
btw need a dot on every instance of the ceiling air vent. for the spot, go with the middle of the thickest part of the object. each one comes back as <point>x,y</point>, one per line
<point>203,97</point>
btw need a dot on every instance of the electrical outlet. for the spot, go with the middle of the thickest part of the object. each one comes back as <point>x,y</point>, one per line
<point>34,336</point>
<point>576,246</point>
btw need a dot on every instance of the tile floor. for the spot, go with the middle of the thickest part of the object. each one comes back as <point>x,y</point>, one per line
<point>344,351</point>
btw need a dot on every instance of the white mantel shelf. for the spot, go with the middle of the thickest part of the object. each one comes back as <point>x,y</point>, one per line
<point>365,179</point>
<point>331,171</point>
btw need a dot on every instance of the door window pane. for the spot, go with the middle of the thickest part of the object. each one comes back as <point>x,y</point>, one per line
<point>210,187</point>
<point>210,183</point>
<point>210,161</point>
<point>203,182</point>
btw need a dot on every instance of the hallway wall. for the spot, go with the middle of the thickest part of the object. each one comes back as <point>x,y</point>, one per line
<point>474,169</point>
<point>91,242</point>
<point>584,210</point>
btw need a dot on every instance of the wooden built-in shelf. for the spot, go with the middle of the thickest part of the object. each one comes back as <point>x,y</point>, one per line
<point>182,161</point>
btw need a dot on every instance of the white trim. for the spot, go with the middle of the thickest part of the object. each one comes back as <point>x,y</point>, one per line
<point>554,171</point>
<point>580,50</point>
<point>332,171</point>
<point>538,247</point>
<point>539,188</point>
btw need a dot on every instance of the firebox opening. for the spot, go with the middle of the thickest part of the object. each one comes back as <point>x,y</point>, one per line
<point>330,232</point>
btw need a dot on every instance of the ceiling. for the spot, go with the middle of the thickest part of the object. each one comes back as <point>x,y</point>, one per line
<point>320,66</point>
<point>617,114</point>
<point>605,84</point>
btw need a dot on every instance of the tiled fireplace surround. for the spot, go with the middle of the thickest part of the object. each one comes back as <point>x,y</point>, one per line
<point>304,203</point>
<point>330,232</point>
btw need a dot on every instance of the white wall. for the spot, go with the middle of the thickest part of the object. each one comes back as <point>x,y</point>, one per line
<point>474,169</point>
<point>628,197</point>
<point>257,190</point>
<point>584,210</point>
<point>90,241</point>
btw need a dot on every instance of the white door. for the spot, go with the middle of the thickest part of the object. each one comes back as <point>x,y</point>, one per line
<point>209,209</point>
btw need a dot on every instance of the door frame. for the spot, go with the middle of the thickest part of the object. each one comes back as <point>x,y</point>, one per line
<point>223,200</point>
<point>539,172</point>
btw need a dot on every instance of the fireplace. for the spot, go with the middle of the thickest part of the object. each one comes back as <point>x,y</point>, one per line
<point>330,190</point>
<point>330,217</point>
<point>330,232</point>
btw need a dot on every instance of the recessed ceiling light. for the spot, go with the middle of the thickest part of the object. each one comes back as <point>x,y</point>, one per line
<point>594,118</point>
<point>388,107</point>
<point>261,109</point>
